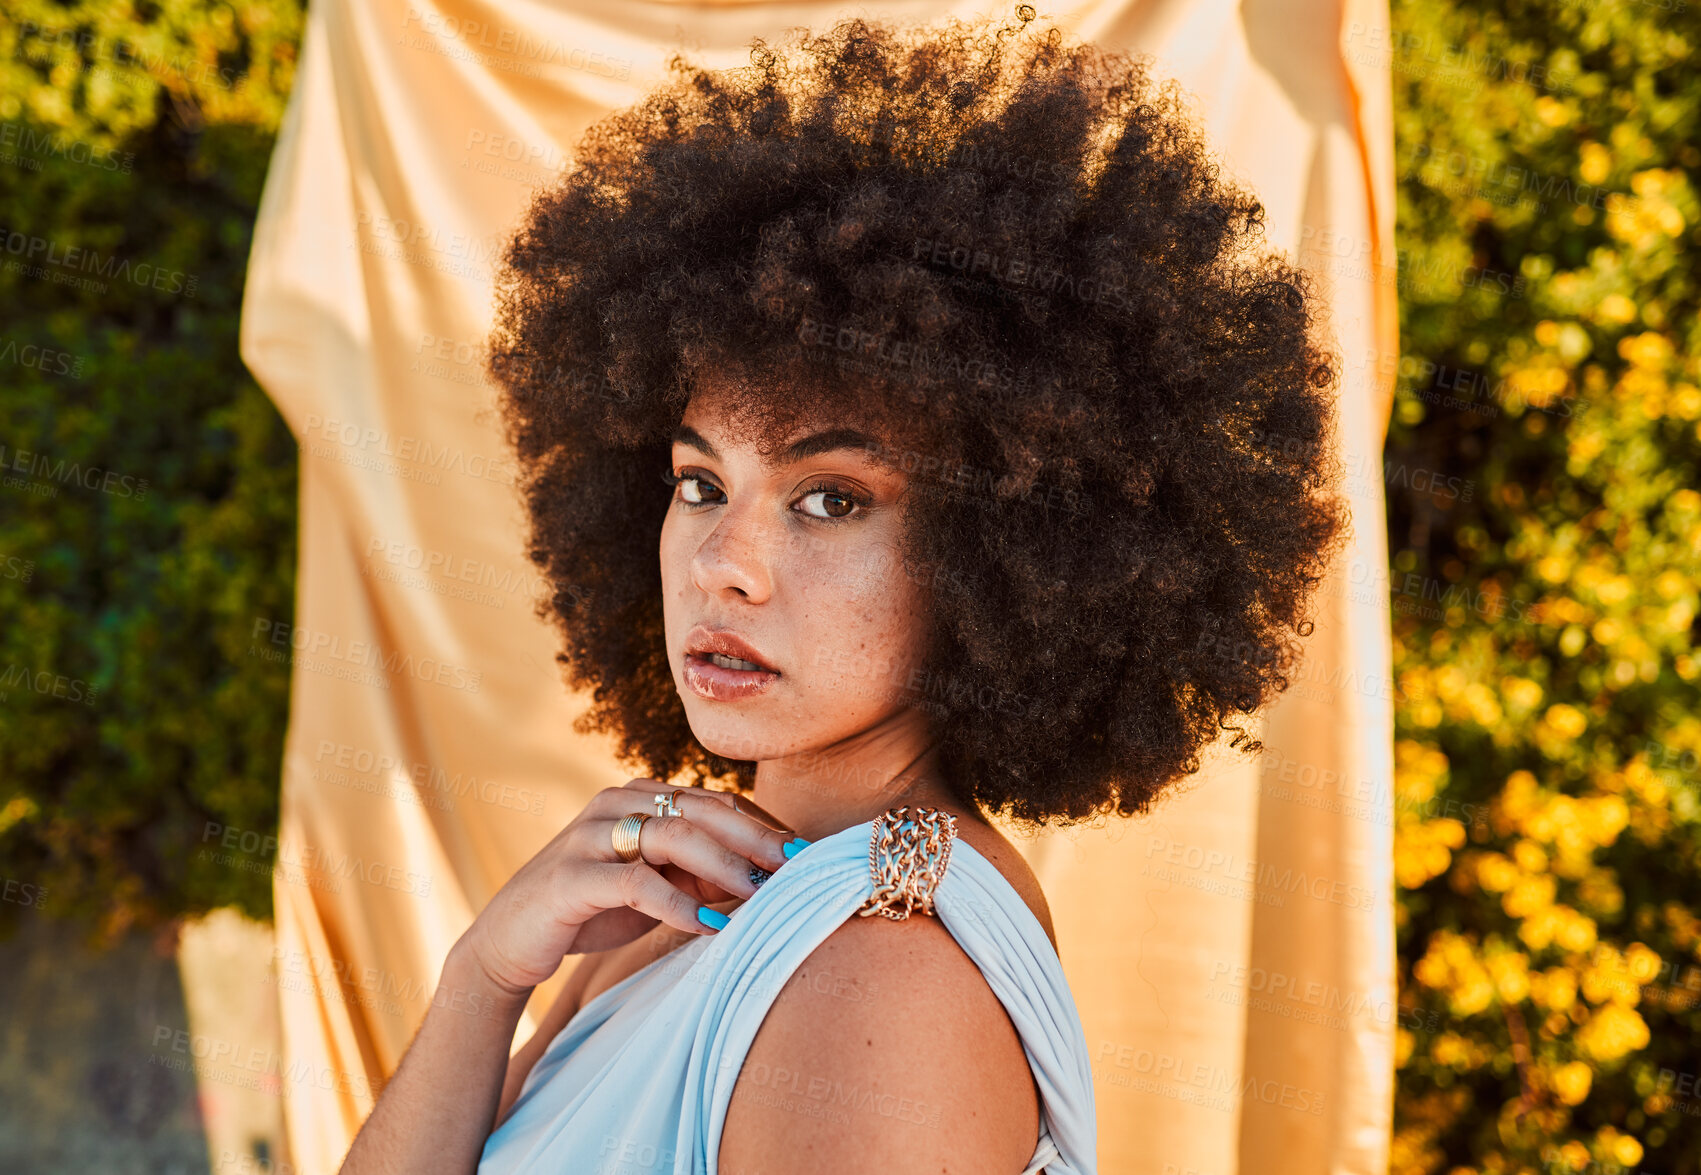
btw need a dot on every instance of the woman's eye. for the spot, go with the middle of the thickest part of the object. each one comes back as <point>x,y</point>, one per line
<point>692,487</point>
<point>834,504</point>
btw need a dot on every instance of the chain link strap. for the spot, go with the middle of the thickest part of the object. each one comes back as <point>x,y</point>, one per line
<point>907,864</point>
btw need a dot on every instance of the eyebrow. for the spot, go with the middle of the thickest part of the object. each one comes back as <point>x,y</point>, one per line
<point>828,441</point>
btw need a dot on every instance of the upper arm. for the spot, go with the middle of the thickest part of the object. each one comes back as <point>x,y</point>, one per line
<point>886,1051</point>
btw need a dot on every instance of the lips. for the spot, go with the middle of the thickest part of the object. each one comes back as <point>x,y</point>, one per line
<point>701,641</point>
<point>721,682</point>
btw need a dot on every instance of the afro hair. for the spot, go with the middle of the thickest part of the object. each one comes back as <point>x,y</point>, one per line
<point>1014,259</point>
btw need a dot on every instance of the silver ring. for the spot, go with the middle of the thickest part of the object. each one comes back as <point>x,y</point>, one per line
<point>665,805</point>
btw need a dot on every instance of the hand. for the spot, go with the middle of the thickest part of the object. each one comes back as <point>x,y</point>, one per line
<point>576,895</point>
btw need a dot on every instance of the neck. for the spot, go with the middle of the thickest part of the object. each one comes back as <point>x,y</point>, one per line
<point>819,792</point>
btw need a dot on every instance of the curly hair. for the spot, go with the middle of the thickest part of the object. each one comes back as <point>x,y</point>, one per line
<point>1014,258</point>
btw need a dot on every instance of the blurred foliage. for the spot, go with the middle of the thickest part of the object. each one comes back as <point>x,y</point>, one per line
<point>148,502</point>
<point>1544,586</point>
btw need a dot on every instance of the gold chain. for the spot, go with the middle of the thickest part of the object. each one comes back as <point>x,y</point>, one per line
<point>907,864</point>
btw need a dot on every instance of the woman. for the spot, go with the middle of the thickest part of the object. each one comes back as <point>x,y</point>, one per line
<point>999,488</point>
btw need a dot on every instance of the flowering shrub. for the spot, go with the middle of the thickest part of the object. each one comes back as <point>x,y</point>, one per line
<point>1545,623</point>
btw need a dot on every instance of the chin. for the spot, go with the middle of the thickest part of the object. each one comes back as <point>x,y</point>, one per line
<point>731,738</point>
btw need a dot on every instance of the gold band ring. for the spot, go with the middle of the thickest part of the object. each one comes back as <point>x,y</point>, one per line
<point>627,829</point>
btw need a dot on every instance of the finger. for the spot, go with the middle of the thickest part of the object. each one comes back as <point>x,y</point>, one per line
<point>639,886</point>
<point>734,800</point>
<point>680,841</point>
<point>743,803</point>
<point>741,831</point>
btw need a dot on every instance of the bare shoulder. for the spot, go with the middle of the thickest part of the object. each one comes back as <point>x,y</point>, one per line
<point>885,1051</point>
<point>1003,856</point>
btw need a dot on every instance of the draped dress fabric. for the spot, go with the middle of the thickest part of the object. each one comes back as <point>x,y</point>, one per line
<point>638,1081</point>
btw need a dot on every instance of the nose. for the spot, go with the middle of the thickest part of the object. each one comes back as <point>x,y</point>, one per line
<point>734,557</point>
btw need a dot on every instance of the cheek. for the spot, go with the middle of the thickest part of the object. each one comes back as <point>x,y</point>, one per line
<point>670,555</point>
<point>861,629</point>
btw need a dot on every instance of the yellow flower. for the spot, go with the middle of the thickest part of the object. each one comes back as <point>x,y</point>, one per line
<point>1552,111</point>
<point>1450,965</point>
<point>1595,164</point>
<point>1616,308</point>
<point>1451,1050</point>
<point>1627,1150</point>
<point>1571,1082</point>
<point>1642,962</point>
<point>1421,851</point>
<point>1529,896</point>
<point>1495,873</point>
<point>1555,988</point>
<point>1565,720</point>
<point>1609,978</point>
<point>1524,694</point>
<point>1511,976</point>
<point>1650,349</point>
<point>1576,932</point>
<point>1481,704</point>
<point>1518,796</point>
<point>1529,856</point>
<point>1612,1032</point>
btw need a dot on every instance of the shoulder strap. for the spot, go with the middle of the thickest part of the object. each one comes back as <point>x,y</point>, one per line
<point>893,865</point>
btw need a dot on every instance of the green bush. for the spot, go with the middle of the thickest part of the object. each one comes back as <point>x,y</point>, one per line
<point>148,503</point>
<point>1545,531</point>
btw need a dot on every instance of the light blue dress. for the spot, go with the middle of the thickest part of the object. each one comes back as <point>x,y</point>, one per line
<point>638,1081</point>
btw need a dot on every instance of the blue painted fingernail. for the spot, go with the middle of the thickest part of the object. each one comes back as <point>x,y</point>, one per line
<point>713,919</point>
<point>792,847</point>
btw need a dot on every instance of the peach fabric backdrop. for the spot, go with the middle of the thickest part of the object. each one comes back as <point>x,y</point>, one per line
<point>1232,955</point>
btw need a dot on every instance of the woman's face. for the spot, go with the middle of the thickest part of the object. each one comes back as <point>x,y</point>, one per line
<point>799,560</point>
